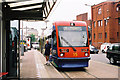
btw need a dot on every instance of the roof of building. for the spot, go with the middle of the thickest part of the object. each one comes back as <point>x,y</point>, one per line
<point>27,9</point>
<point>108,1</point>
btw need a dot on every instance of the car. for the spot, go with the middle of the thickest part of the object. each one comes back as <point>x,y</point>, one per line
<point>113,53</point>
<point>35,45</point>
<point>104,47</point>
<point>93,49</point>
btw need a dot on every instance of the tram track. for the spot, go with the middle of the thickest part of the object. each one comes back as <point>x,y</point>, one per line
<point>66,74</point>
<point>92,75</point>
<point>99,71</point>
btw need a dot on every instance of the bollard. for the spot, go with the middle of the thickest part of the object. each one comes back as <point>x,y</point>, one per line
<point>22,50</point>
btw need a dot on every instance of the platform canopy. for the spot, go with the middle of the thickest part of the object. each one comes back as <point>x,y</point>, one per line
<point>27,9</point>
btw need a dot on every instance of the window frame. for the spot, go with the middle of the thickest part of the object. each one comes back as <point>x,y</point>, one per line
<point>105,35</point>
<point>99,11</point>
<point>105,22</point>
<point>94,36</point>
<point>54,38</point>
<point>100,35</point>
<point>94,24</point>
<point>119,21</point>
<point>101,22</point>
<point>117,9</point>
<point>117,34</point>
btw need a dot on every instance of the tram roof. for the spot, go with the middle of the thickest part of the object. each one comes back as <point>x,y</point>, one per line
<point>27,9</point>
<point>68,23</point>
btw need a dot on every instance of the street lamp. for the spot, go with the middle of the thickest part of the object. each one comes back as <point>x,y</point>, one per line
<point>46,23</point>
<point>89,5</point>
<point>90,28</point>
<point>43,29</point>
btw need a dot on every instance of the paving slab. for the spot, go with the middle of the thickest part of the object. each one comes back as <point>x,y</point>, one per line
<point>33,66</point>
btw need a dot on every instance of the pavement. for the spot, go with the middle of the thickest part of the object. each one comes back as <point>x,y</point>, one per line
<point>33,66</point>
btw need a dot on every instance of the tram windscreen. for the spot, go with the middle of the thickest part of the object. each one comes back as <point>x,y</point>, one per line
<point>75,36</point>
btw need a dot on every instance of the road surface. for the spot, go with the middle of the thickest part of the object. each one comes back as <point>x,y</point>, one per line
<point>101,57</point>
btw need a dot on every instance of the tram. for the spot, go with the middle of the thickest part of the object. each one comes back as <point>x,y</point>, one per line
<point>70,44</point>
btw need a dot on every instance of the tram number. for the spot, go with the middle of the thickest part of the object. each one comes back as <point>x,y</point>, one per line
<point>75,54</point>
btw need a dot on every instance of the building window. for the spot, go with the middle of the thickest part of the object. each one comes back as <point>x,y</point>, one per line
<point>119,21</point>
<point>94,35</point>
<point>117,8</point>
<point>106,21</point>
<point>99,11</point>
<point>94,23</point>
<point>98,23</point>
<point>101,22</point>
<point>117,34</point>
<point>100,35</point>
<point>105,34</point>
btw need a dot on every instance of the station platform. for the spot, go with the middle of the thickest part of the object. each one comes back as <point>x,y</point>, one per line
<point>33,66</point>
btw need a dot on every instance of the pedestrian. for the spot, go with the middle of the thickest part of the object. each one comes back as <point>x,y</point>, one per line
<point>47,52</point>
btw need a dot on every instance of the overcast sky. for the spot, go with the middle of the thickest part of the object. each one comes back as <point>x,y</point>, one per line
<point>66,10</point>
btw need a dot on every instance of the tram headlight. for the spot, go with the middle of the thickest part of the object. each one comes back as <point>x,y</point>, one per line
<point>86,54</point>
<point>61,54</point>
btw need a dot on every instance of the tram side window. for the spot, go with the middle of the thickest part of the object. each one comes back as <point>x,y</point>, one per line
<point>89,33</point>
<point>54,39</point>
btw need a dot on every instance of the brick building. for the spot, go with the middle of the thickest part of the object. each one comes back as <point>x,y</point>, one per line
<point>84,17</point>
<point>105,23</point>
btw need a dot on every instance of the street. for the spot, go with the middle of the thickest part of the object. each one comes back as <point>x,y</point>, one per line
<point>52,39</point>
<point>32,66</point>
<point>99,68</point>
<point>101,57</point>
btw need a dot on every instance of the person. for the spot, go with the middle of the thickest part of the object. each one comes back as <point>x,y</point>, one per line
<point>47,52</point>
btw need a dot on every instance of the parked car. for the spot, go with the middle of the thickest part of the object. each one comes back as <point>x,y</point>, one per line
<point>113,53</point>
<point>104,47</point>
<point>93,49</point>
<point>35,45</point>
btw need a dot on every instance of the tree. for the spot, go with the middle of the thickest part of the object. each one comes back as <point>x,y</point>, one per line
<point>32,38</point>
